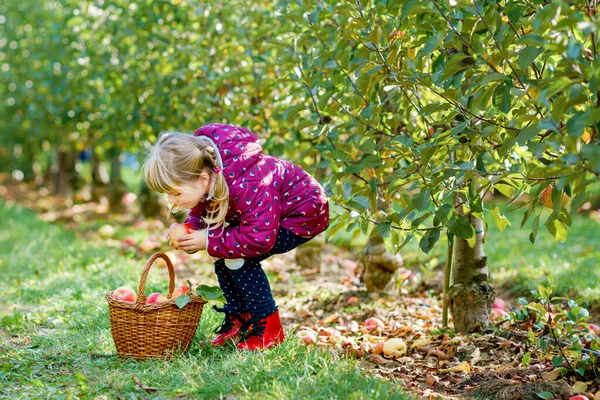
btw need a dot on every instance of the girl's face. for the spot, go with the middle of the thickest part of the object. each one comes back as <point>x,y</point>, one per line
<point>189,195</point>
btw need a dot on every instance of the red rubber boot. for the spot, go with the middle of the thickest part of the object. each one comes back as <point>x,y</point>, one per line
<point>263,333</point>
<point>231,329</point>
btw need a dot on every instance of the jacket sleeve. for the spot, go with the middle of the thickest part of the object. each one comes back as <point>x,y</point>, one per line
<point>196,215</point>
<point>259,209</point>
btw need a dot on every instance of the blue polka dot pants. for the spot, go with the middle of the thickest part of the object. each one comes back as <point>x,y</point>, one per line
<point>247,289</point>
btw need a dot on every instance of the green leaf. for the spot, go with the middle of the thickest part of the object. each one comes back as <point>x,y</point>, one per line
<point>528,56</point>
<point>383,228</point>
<point>557,361</point>
<point>442,213</point>
<point>545,395</point>
<point>526,134</point>
<point>526,360</point>
<point>534,229</point>
<point>429,240</point>
<point>499,218</point>
<point>557,229</point>
<point>181,301</point>
<point>210,292</point>
<point>460,226</point>
<point>577,123</point>
<point>505,189</point>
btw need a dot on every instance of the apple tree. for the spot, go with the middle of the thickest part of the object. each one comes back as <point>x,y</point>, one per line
<point>422,108</point>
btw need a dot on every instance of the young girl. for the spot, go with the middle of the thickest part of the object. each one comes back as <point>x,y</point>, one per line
<point>245,206</point>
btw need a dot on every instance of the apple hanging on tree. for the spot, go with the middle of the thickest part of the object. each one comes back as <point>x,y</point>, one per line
<point>546,198</point>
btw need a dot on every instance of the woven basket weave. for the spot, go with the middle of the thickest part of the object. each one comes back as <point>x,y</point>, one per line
<point>153,330</point>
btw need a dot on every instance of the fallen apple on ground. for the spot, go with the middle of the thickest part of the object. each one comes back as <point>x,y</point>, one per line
<point>372,323</point>
<point>155,298</point>
<point>307,336</point>
<point>125,293</point>
<point>178,230</point>
<point>394,347</point>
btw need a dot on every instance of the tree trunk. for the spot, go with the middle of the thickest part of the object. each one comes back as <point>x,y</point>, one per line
<point>471,296</point>
<point>308,255</point>
<point>65,173</point>
<point>377,265</point>
<point>149,202</point>
<point>100,177</point>
<point>116,188</point>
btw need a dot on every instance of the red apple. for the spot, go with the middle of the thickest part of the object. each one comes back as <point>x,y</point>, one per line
<point>372,323</point>
<point>155,298</point>
<point>125,294</point>
<point>178,230</point>
<point>180,291</point>
<point>500,304</point>
<point>579,397</point>
<point>307,336</point>
<point>352,300</point>
<point>378,349</point>
<point>149,245</point>
<point>546,198</point>
<point>595,329</point>
<point>499,311</point>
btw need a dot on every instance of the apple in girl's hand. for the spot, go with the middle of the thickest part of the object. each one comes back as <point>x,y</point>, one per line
<point>180,291</point>
<point>125,293</point>
<point>155,298</point>
<point>178,230</point>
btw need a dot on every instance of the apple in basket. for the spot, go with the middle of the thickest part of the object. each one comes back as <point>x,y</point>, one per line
<point>180,291</point>
<point>125,293</point>
<point>178,230</point>
<point>155,298</point>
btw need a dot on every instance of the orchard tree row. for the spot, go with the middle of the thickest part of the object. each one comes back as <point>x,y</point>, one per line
<point>410,111</point>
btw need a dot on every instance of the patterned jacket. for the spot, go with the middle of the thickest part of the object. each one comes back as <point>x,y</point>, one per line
<point>265,193</point>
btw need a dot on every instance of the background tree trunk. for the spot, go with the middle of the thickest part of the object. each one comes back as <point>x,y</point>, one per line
<point>116,187</point>
<point>149,202</point>
<point>308,255</point>
<point>65,172</point>
<point>377,265</point>
<point>100,177</point>
<point>471,296</point>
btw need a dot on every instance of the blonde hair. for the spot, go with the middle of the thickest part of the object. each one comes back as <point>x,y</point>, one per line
<point>178,159</point>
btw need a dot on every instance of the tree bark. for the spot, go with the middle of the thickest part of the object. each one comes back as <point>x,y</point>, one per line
<point>65,173</point>
<point>100,178</point>
<point>149,202</point>
<point>378,266</point>
<point>308,255</point>
<point>471,296</point>
<point>116,187</point>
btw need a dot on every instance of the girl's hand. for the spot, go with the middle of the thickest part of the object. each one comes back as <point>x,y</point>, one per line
<point>193,241</point>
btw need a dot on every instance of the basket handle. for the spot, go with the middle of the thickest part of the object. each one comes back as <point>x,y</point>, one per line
<point>141,298</point>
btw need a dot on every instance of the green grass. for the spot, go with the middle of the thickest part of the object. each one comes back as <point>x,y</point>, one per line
<point>54,331</point>
<point>520,266</point>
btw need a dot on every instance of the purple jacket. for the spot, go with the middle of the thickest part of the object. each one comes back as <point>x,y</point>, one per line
<point>265,193</point>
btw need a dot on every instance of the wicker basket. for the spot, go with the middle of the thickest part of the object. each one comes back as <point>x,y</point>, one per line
<point>153,330</point>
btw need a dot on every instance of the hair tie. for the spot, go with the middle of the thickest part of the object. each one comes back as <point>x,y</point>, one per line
<point>216,170</point>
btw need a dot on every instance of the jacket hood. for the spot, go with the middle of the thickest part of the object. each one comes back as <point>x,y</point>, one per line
<point>239,148</point>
